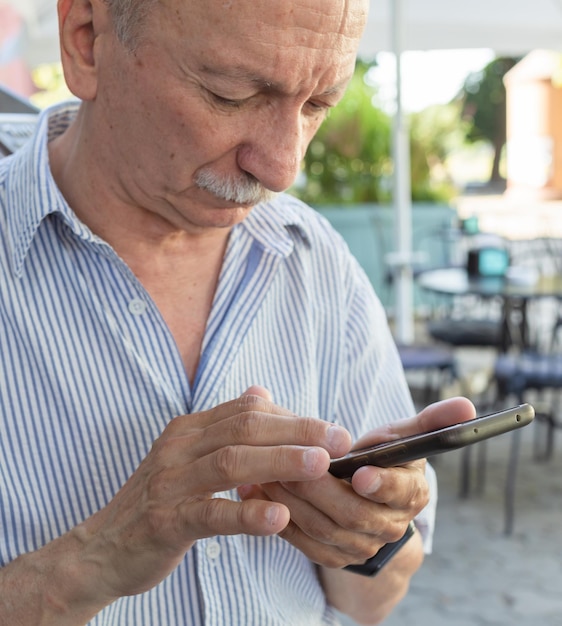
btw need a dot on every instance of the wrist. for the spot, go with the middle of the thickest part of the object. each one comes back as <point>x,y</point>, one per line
<point>369,600</point>
<point>52,586</point>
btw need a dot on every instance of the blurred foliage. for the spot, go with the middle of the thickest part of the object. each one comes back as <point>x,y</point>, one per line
<point>435,132</point>
<point>483,101</point>
<point>349,160</point>
<point>49,80</point>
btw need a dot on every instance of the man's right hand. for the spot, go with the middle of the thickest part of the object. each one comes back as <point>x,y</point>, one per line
<point>168,503</point>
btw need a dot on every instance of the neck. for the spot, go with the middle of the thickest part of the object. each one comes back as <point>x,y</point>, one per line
<point>133,230</point>
<point>176,262</point>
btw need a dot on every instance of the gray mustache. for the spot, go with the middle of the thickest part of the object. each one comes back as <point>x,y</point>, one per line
<point>243,189</point>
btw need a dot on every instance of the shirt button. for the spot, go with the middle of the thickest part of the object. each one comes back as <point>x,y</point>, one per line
<point>213,549</point>
<point>137,306</point>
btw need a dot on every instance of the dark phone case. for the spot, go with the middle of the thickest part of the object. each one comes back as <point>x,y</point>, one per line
<point>408,449</point>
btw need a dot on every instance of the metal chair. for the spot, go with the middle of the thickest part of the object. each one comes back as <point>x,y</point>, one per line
<point>468,332</point>
<point>17,121</point>
<point>435,363</point>
<point>11,102</point>
<point>516,375</point>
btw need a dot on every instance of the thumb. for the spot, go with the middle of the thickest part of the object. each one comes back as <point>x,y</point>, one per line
<point>258,390</point>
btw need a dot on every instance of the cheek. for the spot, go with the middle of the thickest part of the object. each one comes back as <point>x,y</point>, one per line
<point>191,133</point>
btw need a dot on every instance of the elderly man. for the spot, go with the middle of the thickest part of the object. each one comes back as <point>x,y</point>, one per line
<point>184,348</point>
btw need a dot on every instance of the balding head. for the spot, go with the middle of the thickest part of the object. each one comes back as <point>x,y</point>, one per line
<point>129,15</point>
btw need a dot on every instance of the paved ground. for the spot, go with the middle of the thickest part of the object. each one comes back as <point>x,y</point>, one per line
<point>476,575</point>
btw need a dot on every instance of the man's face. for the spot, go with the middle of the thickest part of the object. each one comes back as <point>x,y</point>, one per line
<point>218,104</point>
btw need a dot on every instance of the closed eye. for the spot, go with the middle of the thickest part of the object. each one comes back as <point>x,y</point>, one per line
<point>229,103</point>
<point>318,108</point>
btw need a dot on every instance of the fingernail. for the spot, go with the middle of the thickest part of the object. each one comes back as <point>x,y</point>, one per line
<point>257,390</point>
<point>374,485</point>
<point>272,515</point>
<point>244,491</point>
<point>311,458</point>
<point>336,437</point>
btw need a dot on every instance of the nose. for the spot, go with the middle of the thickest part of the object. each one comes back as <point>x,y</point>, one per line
<point>274,149</point>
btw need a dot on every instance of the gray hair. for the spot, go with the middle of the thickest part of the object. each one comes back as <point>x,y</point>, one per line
<point>128,19</point>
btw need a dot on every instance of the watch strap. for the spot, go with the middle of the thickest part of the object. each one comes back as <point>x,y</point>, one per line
<point>373,566</point>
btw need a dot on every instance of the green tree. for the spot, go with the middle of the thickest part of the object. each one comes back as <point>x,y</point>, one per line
<point>348,160</point>
<point>435,132</point>
<point>484,107</point>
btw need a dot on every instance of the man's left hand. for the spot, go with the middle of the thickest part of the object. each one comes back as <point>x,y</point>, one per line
<point>336,522</point>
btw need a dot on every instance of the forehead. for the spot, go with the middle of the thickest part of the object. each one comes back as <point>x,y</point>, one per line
<point>343,16</point>
<point>270,35</point>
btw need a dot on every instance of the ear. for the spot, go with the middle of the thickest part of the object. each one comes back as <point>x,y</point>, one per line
<point>81,22</point>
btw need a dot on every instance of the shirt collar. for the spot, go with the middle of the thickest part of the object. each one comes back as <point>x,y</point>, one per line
<point>36,194</point>
<point>277,224</point>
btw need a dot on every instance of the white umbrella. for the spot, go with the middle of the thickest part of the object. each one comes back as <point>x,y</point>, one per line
<point>506,26</point>
<point>509,27</point>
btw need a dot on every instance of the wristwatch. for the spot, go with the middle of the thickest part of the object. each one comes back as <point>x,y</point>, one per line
<point>373,566</point>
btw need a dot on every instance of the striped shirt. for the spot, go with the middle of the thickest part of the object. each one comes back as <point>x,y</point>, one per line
<point>90,376</point>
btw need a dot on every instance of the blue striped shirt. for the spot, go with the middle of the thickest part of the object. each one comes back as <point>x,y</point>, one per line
<point>90,376</point>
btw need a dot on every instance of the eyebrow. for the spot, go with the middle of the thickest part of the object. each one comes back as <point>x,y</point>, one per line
<point>241,73</point>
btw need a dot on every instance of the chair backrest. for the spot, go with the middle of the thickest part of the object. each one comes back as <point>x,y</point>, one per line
<point>11,102</point>
<point>15,130</point>
<point>18,117</point>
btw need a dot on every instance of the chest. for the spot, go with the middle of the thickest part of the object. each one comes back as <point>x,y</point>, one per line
<point>186,310</point>
<point>102,374</point>
<point>183,289</point>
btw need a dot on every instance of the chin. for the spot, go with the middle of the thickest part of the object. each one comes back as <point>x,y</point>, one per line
<point>207,210</point>
<point>224,217</point>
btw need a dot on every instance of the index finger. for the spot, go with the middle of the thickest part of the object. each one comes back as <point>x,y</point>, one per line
<point>247,402</point>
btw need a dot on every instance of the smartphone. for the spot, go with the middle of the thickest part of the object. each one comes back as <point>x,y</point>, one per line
<point>401,451</point>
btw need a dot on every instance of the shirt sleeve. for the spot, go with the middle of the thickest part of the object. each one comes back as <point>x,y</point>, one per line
<point>375,391</point>
<point>425,521</point>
